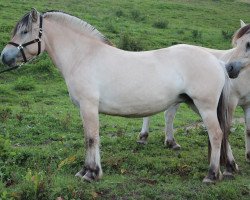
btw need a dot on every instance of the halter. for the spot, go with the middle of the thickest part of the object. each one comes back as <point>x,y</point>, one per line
<point>21,47</point>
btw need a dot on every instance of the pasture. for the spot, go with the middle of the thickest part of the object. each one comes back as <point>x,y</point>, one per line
<point>41,134</point>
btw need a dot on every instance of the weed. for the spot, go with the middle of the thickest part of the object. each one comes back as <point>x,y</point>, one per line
<point>111,28</point>
<point>119,13</point>
<point>24,84</point>
<point>196,35</point>
<point>5,114</point>
<point>161,24</point>
<point>128,43</point>
<point>227,34</point>
<point>137,16</point>
<point>6,150</point>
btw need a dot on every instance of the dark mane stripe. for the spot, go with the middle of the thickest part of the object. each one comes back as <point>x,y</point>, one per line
<point>23,22</point>
<point>242,31</point>
<point>104,39</point>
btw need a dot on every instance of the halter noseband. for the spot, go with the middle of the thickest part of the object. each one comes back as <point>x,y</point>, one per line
<point>21,46</point>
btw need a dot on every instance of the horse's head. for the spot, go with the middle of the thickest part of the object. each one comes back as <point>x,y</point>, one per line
<point>26,40</point>
<point>240,59</point>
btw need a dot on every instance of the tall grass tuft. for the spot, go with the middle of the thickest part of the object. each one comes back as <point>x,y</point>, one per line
<point>24,84</point>
<point>196,35</point>
<point>161,24</point>
<point>137,16</point>
<point>227,34</point>
<point>130,44</point>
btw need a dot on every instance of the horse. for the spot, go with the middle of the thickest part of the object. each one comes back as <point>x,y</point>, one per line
<point>239,94</point>
<point>104,79</point>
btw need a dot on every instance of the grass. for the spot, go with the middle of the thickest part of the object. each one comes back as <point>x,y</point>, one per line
<point>41,140</point>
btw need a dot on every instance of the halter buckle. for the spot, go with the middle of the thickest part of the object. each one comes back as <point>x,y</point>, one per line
<point>20,46</point>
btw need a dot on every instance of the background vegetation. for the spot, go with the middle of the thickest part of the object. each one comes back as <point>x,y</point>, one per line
<point>41,139</point>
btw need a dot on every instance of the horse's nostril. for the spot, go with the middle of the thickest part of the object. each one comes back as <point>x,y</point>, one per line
<point>231,68</point>
<point>3,59</point>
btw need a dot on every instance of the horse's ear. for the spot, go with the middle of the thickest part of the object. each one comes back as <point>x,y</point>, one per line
<point>242,24</point>
<point>34,14</point>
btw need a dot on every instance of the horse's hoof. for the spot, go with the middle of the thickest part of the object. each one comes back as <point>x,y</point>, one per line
<point>143,138</point>
<point>80,173</point>
<point>228,175</point>
<point>209,180</point>
<point>88,175</point>
<point>142,141</point>
<point>176,147</point>
<point>171,144</point>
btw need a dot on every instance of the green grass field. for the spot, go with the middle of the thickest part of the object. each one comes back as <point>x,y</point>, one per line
<point>41,135</point>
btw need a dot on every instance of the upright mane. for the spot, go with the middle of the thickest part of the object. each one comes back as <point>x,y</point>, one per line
<point>76,23</point>
<point>242,31</point>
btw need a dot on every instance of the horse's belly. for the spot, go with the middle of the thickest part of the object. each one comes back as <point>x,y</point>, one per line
<point>137,105</point>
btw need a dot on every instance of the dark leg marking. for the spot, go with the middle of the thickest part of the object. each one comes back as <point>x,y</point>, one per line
<point>90,142</point>
<point>211,174</point>
<point>231,166</point>
<point>248,155</point>
<point>248,133</point>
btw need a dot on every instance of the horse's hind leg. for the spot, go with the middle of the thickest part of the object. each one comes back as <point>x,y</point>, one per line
<point>92,169</point>
<point>143,136</point>
<point>247,136</point>
<point>231,166</point>
<point>169,130</point>
<point>209,116</point>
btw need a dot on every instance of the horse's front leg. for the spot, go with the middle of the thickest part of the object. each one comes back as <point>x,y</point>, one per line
<point>143,135</point>
<point>169,129</point>
<point>92,169</point>
<point>247,135</point>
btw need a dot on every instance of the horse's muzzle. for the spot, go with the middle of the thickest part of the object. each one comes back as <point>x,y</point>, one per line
<point>233,69</point>
<point>8,59</point>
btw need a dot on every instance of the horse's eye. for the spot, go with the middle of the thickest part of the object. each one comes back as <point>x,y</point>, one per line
<point>248,46</point>
<point>24,32</point>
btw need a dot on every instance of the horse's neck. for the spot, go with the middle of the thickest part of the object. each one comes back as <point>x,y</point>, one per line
<point>223,55</point>
<point>66,47</point>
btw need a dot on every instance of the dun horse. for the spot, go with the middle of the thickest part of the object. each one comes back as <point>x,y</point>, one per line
<point>239,94</point>
<point>104,79</point>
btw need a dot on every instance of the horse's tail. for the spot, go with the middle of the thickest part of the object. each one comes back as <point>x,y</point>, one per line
<point>224,118</point>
